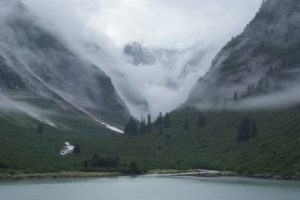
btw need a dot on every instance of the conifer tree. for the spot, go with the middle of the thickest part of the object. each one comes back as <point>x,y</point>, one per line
<point>159,120</point>
<point>166,121</point>
<point>143,127</point>
<point>149,124</point>
<point>131,127</point>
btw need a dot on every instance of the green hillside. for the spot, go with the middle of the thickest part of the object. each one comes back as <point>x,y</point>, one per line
<point>276,150</point>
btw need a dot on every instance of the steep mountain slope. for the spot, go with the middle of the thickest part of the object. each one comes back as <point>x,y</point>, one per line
<point>36,68</point>
<point>264,59</point>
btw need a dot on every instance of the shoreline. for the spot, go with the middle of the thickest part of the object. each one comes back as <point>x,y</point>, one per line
<point>59,175</point>
<point>175,173</point>
<point>213,174</point>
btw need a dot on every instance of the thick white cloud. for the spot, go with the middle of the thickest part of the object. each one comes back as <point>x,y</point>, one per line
<point>173,22</point>
<point>205,25</point>
<point>154,22</point>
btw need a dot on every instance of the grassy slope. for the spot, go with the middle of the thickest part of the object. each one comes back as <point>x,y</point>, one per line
<point>275,151</point>
<point>24,149</point>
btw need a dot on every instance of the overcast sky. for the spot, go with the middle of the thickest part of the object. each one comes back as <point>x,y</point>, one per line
<point>156,22</point>
<point>207,24</point>
<point>173,22</point>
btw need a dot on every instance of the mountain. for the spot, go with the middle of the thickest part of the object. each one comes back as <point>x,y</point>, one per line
<point>262,61</point>
<point>39,74</point>
<point>42,80</point>
<point>187,59</point>
<point>139,54</point>
<point>109,59</point>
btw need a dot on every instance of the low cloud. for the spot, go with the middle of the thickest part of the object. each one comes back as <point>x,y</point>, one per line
<point>196,25</point>
<point>9,105</point>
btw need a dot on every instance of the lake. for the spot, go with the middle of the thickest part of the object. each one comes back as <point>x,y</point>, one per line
<point>151,188</point>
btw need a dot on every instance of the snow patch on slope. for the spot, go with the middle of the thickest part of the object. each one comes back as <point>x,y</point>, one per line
<point>47,121</point>
<point>112,128</point>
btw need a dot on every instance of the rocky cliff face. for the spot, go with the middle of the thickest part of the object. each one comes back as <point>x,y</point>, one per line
<point>141,55</point>
<point>34,63</point>
<point>264,59</point>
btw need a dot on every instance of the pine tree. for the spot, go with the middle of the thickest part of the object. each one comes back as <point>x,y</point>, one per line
<point>201,120</point>
<point>143,127</point>
<point>131,127</point>
<point>159,120</point>
<point>166,120</point>
<point>186,124</point>
<point>149,124</point>
<point>40,129</point>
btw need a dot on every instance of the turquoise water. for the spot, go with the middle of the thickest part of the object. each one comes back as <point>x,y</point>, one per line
<point>151,188</point>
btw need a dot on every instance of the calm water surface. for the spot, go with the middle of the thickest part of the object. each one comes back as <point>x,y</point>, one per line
<point>151,188</point>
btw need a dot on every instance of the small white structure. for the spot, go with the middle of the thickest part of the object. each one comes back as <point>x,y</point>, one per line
<point>67,149</point>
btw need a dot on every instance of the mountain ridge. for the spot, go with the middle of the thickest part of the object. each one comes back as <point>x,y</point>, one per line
<point>260,61</point>
<point>36,62</point>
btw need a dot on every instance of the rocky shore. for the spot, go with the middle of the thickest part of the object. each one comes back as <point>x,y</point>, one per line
<point>195,173</point>
<point>59,175</point>
<point>214,173</point>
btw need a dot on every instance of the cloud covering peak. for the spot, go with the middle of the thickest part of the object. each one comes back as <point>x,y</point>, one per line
<point>199,28</point>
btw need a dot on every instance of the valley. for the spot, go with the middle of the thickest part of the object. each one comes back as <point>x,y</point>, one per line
<point>60,112</point>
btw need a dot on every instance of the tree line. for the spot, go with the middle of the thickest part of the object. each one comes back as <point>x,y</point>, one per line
<point>102,162</point>
<point>135,127</point>
<point>112,163</point>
